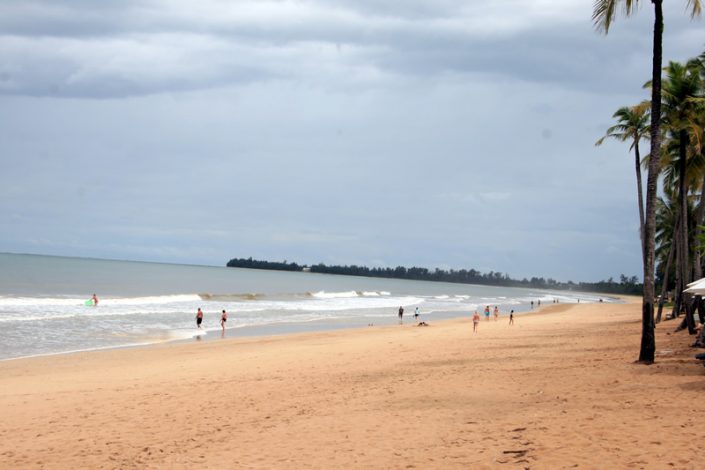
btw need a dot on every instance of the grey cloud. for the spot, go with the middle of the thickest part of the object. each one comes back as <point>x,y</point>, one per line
<point>353,133</point>
<point>138,48</point>
<point>75,18</point>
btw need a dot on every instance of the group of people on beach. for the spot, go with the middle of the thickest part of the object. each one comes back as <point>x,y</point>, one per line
<point>476,317</point>
<point>199,318</point>
<point>538,302</point>
<point>416,316</point>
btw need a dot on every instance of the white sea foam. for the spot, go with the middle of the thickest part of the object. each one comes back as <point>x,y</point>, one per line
<point>186,333</point>
<point>334,295</point>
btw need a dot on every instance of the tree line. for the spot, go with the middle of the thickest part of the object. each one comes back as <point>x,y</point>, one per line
<point>625,285</point>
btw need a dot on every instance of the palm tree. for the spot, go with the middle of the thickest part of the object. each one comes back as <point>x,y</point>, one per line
<point>668,214</point>
<point>604,12</point>
<point>698,138</point>
<point>682,106</point>
<point>632,123</point>
<point>666,222</point>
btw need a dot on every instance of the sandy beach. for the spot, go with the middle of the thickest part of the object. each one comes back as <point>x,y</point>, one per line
<point>558,389</point>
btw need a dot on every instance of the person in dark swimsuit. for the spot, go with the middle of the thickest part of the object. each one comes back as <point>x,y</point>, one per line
<point>199,318</point>
<point>223,319</point>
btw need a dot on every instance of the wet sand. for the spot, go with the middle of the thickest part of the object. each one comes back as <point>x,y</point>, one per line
<point>559,389</point>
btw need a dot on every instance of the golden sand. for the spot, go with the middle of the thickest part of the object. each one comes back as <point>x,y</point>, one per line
<point>559,389</point>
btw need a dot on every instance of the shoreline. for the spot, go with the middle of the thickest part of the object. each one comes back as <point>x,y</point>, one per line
<point>257,331</point>
<point>252,337</point>
<point>557,389</point>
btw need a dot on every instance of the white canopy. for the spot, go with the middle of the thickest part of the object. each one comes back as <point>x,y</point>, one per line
<point>697,287</point>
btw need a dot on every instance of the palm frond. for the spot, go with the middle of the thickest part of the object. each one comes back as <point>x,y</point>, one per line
<point>695,8</point>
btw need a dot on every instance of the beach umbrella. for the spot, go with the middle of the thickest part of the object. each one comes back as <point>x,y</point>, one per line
<point>697,287</point>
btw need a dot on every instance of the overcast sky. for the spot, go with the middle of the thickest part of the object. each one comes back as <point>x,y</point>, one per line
<point>437,133</point>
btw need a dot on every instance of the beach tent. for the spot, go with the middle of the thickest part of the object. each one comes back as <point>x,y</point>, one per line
<point>697,287</point>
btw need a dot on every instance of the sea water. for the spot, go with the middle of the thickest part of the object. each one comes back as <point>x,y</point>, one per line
<point>43,302</point>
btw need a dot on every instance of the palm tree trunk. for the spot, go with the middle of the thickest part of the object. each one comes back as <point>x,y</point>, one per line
<point>684,252</point>
<point>675,313</point>
<point>664,286</point>
<point>697,258</point>
<point>675,243</point>
<point>699,216</point>
<point>640,194</point>
<point>647,349</point>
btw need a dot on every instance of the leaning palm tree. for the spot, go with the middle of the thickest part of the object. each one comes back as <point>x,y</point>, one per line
<point>604,12</point>
<point>632,124</point>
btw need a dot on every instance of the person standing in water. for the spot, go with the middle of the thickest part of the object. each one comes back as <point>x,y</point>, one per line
<point>496,313</point>
<point>95,300</point>
<point>223,319</point>
<point>475,321</point>
<point>416,314</point>
<point>401,314</point>
<point>511,317</point>
<point>199,318</point>
<point>487,313</point>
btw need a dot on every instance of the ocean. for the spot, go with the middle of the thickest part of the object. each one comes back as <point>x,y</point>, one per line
<point>43,302</point>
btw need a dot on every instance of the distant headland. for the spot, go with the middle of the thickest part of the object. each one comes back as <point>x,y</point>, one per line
<point>625,285</point>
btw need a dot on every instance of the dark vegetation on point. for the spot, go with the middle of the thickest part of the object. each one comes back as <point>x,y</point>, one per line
<point>626,285</point>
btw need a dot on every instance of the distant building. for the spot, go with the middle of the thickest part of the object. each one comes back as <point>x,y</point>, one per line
<point>306,270</point>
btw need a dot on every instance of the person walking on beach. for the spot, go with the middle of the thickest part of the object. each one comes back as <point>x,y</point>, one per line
<point>511,317</point>
<point>475,321</point>
<point>95,301</point>
<point>401,314</point>
<point>496,313</point>
<point>487,313</point>
<point>223,319</point>
<point>199,318</point>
